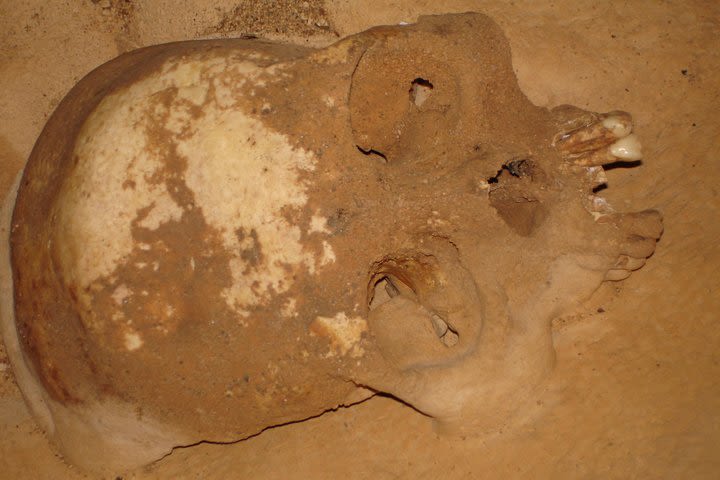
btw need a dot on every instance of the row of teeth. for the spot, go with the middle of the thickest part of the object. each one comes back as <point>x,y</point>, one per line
<point>628,146</point>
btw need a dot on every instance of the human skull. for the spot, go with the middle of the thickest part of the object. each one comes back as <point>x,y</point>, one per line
<point>214,237</point>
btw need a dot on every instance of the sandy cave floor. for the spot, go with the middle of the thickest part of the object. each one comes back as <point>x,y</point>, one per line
<point>636,390</point>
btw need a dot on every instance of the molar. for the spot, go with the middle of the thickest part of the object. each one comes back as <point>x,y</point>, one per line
<point>597,176</point>
<point>599,206</point>
<point>628,148</point>
<point>619,124</point>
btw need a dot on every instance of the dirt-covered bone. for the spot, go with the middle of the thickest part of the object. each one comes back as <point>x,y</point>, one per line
<point>201,250</point>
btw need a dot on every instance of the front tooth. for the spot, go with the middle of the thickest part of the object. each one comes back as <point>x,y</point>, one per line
<point>599,207</point>
<point>628,148</point>
<point>441,327</point>
<point>600,204</point>
<point>597,176</point>
<point>619,125</point>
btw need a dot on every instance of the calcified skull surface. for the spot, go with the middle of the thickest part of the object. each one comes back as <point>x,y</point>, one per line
<point>215,237</point>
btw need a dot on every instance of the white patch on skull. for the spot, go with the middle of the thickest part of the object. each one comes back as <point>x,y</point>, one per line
<point>121,293</point>
<point>318,224</point>
<point>328,255</point>
<point>161,211</point>
<point>343,332</point>
<point>289,308</point>
<point>98,205</point>
<point>328,101</point>
<point>242,174</point>
<point>133,341</point>
<point>178,120</point>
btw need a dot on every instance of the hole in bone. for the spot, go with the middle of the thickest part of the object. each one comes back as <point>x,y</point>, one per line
<point>494,179</point>
<point>518,168</point>
<point>420,90</point>
<point>512,197</point>
<point>389,287</point>
<point>374,153</point>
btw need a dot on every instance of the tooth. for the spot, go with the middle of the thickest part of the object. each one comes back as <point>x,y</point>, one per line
<point>600,203</point>
<point>583,139</point>
<point>450,339</point>
<point>597,176</point>
<point>627,148</point>
<point>599,206</point>
<point>619,123</point>
<point>391,289</point>
<point>440,326</point>
<point>596,135</point>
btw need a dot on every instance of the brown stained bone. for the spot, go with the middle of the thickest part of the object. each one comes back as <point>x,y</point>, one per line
<point>203,245</point>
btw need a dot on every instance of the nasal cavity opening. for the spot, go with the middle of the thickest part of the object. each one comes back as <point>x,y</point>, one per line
<point>420,91</point>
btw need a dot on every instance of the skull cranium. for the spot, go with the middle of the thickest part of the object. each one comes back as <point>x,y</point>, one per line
<point>215,237</point>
